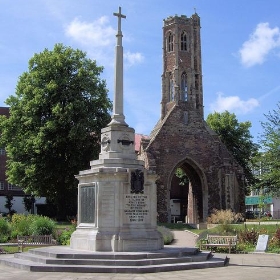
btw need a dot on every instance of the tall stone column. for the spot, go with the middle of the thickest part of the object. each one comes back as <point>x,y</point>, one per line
<point>118,116</point>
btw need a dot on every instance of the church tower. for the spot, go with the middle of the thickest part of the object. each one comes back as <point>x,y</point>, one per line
<point>182,142</point>
<point>182,73</point>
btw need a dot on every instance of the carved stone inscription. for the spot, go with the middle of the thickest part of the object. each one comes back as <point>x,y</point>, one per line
<point>87,204</point>
<point>136,208</point>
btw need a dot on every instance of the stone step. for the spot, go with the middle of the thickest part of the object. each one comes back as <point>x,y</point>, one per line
<point>31,266</point>
<point>110,262</point>
<point>65,252</point>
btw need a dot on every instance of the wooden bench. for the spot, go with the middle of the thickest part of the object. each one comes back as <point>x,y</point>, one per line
<point>34,240</point>
<point>220,241</point>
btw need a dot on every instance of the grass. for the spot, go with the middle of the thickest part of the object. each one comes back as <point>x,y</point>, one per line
<point>173,226</point>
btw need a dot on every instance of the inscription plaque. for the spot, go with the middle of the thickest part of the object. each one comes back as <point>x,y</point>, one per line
<point>136,208</point>
<point>87,204</point>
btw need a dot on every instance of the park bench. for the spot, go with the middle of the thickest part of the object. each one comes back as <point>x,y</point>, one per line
<point>34,240</point>
<point>218,241</point>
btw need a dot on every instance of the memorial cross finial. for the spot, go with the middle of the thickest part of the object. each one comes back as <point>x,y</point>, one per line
<point>120,16</point>
<point>118,116</point>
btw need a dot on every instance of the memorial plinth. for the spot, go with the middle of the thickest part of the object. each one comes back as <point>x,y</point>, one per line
<point>117,199</point>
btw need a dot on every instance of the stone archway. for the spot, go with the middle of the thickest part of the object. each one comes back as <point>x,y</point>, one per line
<point>188,200</point>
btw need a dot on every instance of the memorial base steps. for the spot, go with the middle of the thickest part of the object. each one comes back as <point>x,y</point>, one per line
<point>64,259</point>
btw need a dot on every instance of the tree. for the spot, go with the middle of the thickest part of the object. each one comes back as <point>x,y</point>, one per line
<point>28,202</point>
<point>181,174</point>
<point>9,204</point>
<point>237,138</point>
<point>55,119</point>
<point>270,159</point>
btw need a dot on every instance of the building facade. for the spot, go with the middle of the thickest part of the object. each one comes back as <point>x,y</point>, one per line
<point>182,140</point>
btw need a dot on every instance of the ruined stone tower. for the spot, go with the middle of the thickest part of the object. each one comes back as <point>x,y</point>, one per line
<point>181,140</point>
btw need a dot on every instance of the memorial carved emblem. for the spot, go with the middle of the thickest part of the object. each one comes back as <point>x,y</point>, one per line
<point>137,182</point>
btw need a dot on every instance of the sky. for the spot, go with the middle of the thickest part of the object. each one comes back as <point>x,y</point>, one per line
<point>240,50</point>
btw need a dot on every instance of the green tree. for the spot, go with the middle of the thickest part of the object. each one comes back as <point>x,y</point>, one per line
<point>9,203</point>
<point>55,119</point>
<point>28,202</point>
<point>270,159</point>
<point>237,138</point>
<point>181,174</point>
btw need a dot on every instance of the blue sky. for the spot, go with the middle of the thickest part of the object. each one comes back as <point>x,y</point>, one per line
<point>240,49</point>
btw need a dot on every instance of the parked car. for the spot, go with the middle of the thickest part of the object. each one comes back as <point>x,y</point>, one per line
<point>250,215</point>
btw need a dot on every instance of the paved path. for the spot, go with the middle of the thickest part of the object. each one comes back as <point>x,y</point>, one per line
<point>241,267</point>
<point>184,238</point>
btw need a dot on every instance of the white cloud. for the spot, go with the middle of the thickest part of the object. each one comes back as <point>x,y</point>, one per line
<point>133,58</point>
<point>99,40</point>
<point>233,104</point>
<point>261,42</point>
<point>95,34</point>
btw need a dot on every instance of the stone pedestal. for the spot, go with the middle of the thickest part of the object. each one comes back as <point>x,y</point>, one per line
<point>117,199</point>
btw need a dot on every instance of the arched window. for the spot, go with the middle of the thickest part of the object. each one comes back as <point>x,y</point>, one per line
<point>170,42</point>
<point>184,87</point>
<point>171,89</point>
<point>184,46</point>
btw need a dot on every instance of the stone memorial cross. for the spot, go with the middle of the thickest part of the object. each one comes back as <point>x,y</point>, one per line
<point>118,116</point>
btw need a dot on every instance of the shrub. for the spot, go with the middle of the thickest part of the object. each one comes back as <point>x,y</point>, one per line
<point>224,217</point>
<point>274,242</point>
<point>64,237</point>
<point>42,226</point>
<point>21,224</point>
<point>5,230</point>
<point>248,236</point>
<point>167,234</point>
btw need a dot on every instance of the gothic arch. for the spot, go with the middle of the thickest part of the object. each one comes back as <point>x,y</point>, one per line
<point>170,42</point>
<point>184,86</point>
<point>193,200</point>
<point>184,41</point>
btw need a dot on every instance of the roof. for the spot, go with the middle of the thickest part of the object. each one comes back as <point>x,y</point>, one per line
<point>138,138</point>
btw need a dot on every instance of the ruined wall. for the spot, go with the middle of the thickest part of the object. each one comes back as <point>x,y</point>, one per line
<point>174,143</point>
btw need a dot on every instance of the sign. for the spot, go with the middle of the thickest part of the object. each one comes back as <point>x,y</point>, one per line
<point>136,208</point>
<point>256,200</point>
<point>262,243</point>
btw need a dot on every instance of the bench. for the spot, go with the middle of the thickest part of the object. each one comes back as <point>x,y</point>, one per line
<point>34,240</point>
<point>211,241</point>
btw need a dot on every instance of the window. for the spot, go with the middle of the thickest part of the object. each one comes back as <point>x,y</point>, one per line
<point>2,151</point>
<point>170,42</point>
<point>12,187</point>
<point>186,117</point>
<point>196,81</point>
<point>184,87</point>
<point>171,89</point>
<point>2,185</point>
<point>184,46</point>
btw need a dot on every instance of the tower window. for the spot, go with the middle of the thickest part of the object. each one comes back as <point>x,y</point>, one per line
<point>171,89</point>
<point>184,87</point>
<point>196,81</point>
<point>170,42</point>
<point>184,46</point>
